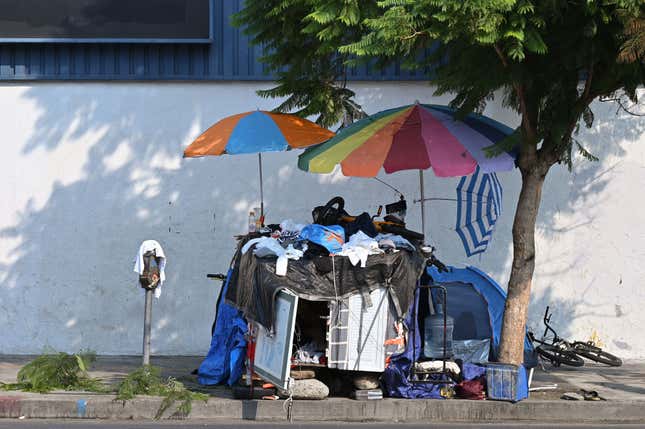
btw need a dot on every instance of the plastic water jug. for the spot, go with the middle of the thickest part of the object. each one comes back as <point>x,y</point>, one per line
<point>252,227</point>
<point>433,336</point>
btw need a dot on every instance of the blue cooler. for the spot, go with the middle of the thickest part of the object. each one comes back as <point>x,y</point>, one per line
<point>506,382</point>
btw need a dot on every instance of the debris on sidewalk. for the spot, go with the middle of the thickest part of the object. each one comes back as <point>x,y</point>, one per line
<point>591,395</point>
<point>586,395</point>
<point>571,396</point>
<point>57,371</point>
<point>147,381</point>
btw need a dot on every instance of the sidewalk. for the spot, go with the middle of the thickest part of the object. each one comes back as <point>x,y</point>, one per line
<point>624,389</point>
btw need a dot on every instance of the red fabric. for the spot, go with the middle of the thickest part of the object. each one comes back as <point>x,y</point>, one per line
<point>471,389</point>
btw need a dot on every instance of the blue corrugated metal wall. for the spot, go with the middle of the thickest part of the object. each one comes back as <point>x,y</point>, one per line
<point>229,57</point>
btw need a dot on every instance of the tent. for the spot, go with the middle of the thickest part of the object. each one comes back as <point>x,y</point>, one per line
<point>476,303</point>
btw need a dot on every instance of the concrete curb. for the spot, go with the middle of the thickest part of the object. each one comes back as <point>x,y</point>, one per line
<point>335,409</point>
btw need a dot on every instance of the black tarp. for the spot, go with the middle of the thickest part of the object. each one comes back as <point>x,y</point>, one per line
<point>254,283</point>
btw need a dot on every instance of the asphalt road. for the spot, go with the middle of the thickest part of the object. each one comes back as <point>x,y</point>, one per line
<point>98,424</point>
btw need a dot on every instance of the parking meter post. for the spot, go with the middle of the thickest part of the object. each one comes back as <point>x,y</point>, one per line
<point>147,322</point>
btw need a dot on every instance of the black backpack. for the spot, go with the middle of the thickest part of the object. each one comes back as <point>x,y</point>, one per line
<point>330,213</point>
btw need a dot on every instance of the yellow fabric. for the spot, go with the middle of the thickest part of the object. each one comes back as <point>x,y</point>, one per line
<point>325,162</point>
<point>367,160</point>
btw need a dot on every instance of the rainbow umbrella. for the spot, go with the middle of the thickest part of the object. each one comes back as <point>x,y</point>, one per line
<point>413,137</point>
<point>256,132</point>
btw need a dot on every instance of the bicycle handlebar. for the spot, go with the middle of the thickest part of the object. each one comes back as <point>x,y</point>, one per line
<point>218,276</point>
<point>547,327</point>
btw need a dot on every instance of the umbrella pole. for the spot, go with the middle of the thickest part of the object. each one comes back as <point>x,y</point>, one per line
<point>423,203</point>
<point>261,187</point>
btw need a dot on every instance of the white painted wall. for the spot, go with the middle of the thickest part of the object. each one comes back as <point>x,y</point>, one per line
<point>89,170</point>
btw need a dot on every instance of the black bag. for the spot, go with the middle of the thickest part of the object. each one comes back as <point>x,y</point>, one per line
<point>149,279</point>
<point>364,223</point>
<point>328,214</point>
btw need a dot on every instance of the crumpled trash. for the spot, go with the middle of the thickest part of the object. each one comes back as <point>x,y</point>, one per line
<point>572,396</point>
<point>291,226</point>
<point>399,242</point>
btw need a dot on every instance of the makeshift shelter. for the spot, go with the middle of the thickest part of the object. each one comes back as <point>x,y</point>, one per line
<point>476,303</point>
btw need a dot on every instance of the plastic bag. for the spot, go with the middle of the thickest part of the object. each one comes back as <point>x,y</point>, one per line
<point>330,237</point>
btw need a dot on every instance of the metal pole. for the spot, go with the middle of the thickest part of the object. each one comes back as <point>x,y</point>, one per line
<point>423,204</point>
<point>261,186</point>
<point>147,322</point>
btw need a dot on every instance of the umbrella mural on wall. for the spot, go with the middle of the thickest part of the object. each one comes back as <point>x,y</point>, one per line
<point>256,132</point>
<point>412,137</point>
<point>479,205</point>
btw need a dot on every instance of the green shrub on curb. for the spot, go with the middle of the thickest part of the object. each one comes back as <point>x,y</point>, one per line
<point>57,371</point>
<point>147,381</point>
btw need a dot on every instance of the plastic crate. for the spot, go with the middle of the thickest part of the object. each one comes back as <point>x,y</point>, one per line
<point>505,382</point>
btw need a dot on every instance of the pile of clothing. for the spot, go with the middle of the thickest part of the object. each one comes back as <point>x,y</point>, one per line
<point>292,241</point>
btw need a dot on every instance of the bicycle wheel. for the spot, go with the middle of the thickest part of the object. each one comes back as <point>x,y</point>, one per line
<point>596,354</point>
<point>559,356</point>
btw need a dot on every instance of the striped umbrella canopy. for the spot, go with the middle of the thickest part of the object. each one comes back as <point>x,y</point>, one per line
<point>413,137</point>
<point>256,132</point>
<point>479,205</point>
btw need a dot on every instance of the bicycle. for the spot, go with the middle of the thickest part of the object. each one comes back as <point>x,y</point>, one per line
<point>560,351</point>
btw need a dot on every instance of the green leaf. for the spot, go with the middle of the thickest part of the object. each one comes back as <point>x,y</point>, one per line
<point>81,364</point>
<point>515,34</point>
<point>585,153</point>
<point>588,117</point>
<point>516,51</point>
<point>534,42</point>
<point>147,380</point>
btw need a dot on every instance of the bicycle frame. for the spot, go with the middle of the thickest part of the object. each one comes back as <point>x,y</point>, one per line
<point>556,340</point>
<point>548,328</point>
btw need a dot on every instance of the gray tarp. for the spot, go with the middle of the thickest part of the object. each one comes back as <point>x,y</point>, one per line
<point>254,283</point>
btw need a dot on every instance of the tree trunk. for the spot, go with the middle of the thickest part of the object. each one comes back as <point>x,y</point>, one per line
<point>519,285</point>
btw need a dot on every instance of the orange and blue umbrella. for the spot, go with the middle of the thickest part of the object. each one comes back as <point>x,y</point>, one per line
<point>256,132</point>
<point>413,137</point>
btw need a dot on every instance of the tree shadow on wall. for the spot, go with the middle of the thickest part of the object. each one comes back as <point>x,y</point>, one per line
<point>111,176</point>
<point>575,211</point>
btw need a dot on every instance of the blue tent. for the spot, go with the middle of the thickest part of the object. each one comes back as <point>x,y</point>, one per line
<point>476,303</point>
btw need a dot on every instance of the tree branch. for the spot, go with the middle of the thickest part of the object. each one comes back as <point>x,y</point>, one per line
<point>526,120</point>
<point>413,35</point>
<point>585,93</point>
<point>501,55</point>
<point>621,106</point>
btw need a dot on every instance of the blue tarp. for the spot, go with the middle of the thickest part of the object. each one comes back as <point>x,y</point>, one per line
<point>224,362</point>
<point>395,376</point>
